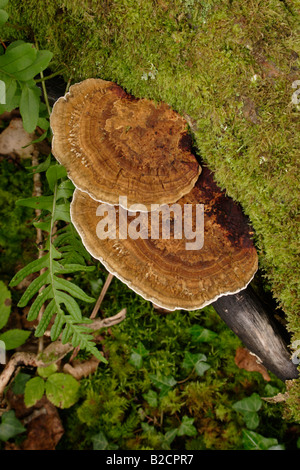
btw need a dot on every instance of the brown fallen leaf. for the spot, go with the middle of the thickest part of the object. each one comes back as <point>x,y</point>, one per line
<point>245,360</point>
<point>43,425</point>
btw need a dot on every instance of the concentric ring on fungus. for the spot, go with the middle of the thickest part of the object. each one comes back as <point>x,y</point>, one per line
<point>112,144</point>
<point>163,271</point>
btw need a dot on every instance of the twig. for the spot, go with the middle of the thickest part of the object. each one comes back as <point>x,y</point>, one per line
<point>56,351</point>
<point>102,294</point>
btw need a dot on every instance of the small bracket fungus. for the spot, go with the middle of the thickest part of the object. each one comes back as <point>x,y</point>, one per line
<point>161,269</point>
<point>111,143</point>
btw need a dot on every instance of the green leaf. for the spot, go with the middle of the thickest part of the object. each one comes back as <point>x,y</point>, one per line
<point>151,398</point>
<point>17,57</point>
<point>39,301</point>
<point>248,407</point>
<point>38,202</point>
<point>70,304</point>
<point>10,426</point>
<point>3,17</point>
<point>54,173</point>
<point>18,386</point>
<point>33,288</point>
<point>29,107</point>
<point>46,371</point>
<point>65,189</point>
<point>73,289</point>
<point>191,359</point>
<point>5,304</point>
<point>101,443</point>
<point>34,390</point>
<point>137,355</point>
<point>48,313</point>
<point>62,390</point>
<point>163,383</point>
<point>3,3</point>
<point>187,428</point>
<point>168,438</point>
<point>201,368</point>
<point>201,335</point>
<point>57,326</point>
<point>41,62</point>
<point>14,338</point>
<point>72,268</point>
<point>255,441</point>
<point>42,166</point>
<point>31,268</point>
<point>62,212</point>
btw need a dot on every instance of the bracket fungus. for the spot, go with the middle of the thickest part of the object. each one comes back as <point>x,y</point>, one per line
<point>162,270</point>
<point>112,143</point>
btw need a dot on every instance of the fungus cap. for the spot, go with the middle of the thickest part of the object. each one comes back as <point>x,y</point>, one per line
<point>163,270</point>
<point>111,143</point>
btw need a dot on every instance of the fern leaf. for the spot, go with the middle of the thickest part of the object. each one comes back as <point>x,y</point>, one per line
<point>71,268</point>
<point>33,288</point>
<point>70,304</point>
<point>57,326</point>
<point>31,268</point>
<point>39,302</point>
<point>73,289</point>
<point>50,310</point>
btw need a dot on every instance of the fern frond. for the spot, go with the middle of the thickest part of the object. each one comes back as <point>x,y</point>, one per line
<point>65,255</point>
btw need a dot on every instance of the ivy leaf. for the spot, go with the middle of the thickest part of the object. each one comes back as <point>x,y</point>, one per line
<point>100,442</point>
<point>248,407</point>
<point>163,383</point>
<point>151,398</point>
<point>14,338</point>
<point>137,355</point>
<point>201,335</point>
<point>255,441</point>
<point>5,304</point>
<point>62,390</point>
<point>10,426</point>
<point>34,390</point>
<point>187,428</point>
<point>196,361</point>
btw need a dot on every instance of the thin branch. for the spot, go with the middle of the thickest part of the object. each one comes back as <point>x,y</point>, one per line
<point>102,295</point>
<point>56,351</point>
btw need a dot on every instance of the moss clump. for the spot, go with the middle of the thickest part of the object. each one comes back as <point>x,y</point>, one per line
<point>229,68</point>
<point>16,231</point>
<point>125,405</point>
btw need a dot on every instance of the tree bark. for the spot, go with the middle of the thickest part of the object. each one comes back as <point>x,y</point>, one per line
<point>258,330</point>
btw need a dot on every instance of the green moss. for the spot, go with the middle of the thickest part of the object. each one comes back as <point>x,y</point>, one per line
<point>229,68</point>
<point>16,232</point>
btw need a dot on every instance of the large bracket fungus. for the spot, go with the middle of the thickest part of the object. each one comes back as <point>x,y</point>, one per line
<point>163,270</point>
<point>114,145</point>
<point>111,143</point>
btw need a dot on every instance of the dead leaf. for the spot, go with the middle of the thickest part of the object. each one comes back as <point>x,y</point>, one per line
<point>245,360</point>
<point>43,425</point>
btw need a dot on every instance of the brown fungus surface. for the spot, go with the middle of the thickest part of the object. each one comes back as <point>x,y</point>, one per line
<point>163,270</point>
<point>113,144</point>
